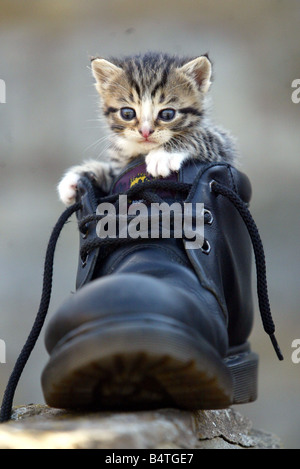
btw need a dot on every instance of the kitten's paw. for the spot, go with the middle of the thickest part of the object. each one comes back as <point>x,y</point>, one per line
<point>162,163</point>
<point>67,188</point>
<point>99,171</point>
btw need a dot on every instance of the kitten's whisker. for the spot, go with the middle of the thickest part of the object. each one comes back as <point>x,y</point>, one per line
<point>97,142</point>
<point>106,147</point>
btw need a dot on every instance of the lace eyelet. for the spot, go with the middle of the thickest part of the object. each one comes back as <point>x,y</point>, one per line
<point>206,248</point>
<point>212,182</point>
<point>211,218</point>
<point>84,261</point>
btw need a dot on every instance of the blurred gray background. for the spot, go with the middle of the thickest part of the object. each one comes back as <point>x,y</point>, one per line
<point>49,122</point>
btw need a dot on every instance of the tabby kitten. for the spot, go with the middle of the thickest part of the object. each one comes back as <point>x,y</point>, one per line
<point>156,107</point>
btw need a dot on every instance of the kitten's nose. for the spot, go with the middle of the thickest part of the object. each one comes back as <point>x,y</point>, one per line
<point>146,132</point>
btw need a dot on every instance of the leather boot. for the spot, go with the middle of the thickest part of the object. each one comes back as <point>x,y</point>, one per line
<point>154,323</point>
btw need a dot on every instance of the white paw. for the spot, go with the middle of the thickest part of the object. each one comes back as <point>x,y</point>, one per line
<point>67,187</point>
<point>98,170</point>
<point>162,163</point>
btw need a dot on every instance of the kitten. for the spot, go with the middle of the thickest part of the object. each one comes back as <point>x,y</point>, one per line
<point>156,107</point>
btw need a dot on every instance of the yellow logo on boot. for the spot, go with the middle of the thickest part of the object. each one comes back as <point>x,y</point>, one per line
<point>141,177</point>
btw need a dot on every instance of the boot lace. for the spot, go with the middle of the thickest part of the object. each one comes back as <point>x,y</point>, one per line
<point>145,191</point>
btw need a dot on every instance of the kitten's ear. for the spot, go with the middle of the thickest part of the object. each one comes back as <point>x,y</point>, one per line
<point>104,72</point>
<point>200,70</point>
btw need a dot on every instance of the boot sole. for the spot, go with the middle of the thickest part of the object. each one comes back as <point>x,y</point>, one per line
<point>145,363</point>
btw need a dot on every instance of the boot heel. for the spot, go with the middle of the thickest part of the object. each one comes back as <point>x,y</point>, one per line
<point>244,371</point>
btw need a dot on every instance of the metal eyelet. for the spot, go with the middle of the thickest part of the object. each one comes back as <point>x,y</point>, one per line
<point>84,262</point>
<point>212,182</point>
<point>211,218</point>
<point>206,248</point>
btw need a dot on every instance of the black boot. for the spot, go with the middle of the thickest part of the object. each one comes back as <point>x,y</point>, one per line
<point>152,323</point>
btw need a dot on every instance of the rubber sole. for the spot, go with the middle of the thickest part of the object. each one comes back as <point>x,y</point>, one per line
<point>145,364</point>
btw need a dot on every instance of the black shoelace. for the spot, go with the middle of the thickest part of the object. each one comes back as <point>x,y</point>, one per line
<point>142,191</point>
<point>146,192</point>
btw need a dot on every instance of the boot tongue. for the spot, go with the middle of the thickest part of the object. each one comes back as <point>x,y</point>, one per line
<point>136,173</point>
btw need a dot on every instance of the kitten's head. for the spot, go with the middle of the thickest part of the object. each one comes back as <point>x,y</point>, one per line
<point>153,99</point>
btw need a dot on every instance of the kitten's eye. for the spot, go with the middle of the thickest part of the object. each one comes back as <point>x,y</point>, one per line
<point>166,114</point>
<point>128,113</point>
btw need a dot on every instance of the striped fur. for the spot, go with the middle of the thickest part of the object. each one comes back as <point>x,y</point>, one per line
<point>151,82</point>
<point>148,84</point>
